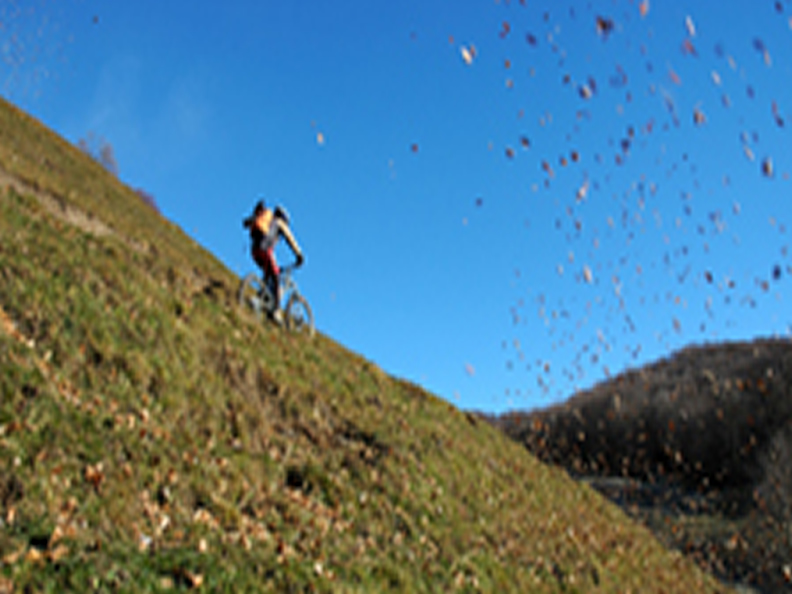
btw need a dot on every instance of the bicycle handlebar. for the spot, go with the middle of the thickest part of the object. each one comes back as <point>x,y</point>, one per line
<point>288,269</point>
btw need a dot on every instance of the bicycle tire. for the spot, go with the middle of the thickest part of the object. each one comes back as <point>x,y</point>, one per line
<point>299,317</point>
<point>248,293</point>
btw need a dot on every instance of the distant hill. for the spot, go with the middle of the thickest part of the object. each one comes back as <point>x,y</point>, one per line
<point>155,437</point>
<point>697,446</point>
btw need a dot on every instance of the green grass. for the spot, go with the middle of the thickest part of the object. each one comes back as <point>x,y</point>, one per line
<point>155,437</point>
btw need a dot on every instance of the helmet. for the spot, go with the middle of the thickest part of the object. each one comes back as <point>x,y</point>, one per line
<point>282,213</point>
<point>260,206</point>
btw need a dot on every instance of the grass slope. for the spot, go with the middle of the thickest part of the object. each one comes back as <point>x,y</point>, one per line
<point>155,437</point>
<point>697,446</point>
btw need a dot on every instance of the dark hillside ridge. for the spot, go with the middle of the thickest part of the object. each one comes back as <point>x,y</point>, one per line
<point>706,414</point>
<point>705,431</point>
<point>155,437</point>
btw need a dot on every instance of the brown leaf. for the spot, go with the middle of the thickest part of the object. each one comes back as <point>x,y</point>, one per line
<point>195,580</point>
<point>34,556</point>
<point>94,475</point>
<point>604,26</point>
<point>6,585</point>
<point>767,167</point>
<point>11,558</point>
<point>58,553</point>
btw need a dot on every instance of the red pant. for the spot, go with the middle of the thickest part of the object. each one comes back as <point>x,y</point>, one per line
<point>266,261</point>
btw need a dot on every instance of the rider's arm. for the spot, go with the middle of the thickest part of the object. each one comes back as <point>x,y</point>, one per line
<point>289,237</point>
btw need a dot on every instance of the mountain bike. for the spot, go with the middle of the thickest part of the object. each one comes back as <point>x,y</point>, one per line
<point>256,295</point>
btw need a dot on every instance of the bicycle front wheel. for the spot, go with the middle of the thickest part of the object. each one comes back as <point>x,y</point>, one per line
<point>249,293</point>
<point>299,318</point>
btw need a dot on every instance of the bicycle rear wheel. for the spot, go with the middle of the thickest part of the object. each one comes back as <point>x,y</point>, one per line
<point>299,318</point>
<point>249,294</point>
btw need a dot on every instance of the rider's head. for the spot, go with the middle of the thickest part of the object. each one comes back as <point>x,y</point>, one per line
<point>260,207</point>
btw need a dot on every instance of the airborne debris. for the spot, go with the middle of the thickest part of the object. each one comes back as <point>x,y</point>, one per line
<point>777,115</point>
<point>582,191</point>
<point>588,276</point>
<point>760,47</point>
<point>690,26</point>
<point>604,26</point>
<point>767,167</point>
<point>469,53</point>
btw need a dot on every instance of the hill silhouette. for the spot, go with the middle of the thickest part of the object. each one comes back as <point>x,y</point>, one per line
<point>155,437</point>
<point>697,446</point>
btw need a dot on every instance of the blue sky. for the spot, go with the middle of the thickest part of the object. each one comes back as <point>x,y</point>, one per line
<point>573,201</point>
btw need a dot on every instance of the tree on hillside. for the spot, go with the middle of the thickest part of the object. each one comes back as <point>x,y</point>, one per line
<point>147,198</point>
<point>100,150</point>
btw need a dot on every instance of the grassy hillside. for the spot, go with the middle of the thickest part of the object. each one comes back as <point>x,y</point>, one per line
<point>697,446</point>
<point>155,437</point>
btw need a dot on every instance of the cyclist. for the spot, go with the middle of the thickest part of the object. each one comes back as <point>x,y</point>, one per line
<point>266,227</point>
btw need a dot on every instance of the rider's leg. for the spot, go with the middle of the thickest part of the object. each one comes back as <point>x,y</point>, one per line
<point>277,314</point>
<point>272,286</point>
<point>276,290</point>
<point>262,260</point>
<point>272,278</point>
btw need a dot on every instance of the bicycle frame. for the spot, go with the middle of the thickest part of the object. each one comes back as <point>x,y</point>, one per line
<point>287,286</point>
<point>297,311</point>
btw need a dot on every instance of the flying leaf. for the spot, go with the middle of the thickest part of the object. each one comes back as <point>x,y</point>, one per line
<point>767,167</point>
<point>604,26</point>
<point>691,27</point>
<point>466,55</point>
